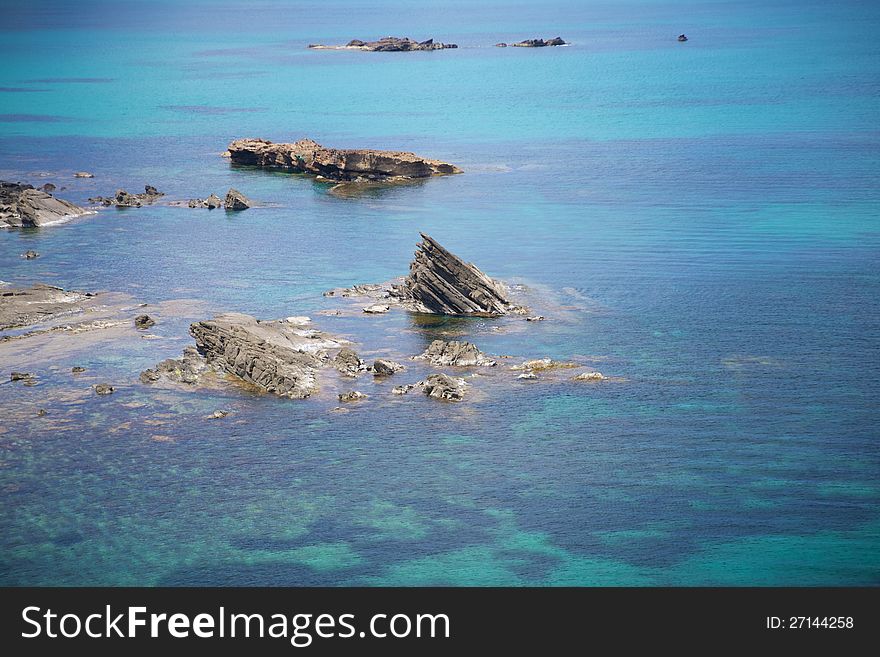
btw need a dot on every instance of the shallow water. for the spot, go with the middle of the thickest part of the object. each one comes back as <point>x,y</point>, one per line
<point>706,213</point>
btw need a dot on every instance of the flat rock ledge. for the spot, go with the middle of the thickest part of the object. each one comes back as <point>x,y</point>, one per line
<point>538,43</point>
<point>20,307</point>
<point>351,165</point>
<point>22,206</point>
<point>388,44</point>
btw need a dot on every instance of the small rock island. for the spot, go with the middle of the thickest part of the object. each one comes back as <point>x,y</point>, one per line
<point>388,44</point>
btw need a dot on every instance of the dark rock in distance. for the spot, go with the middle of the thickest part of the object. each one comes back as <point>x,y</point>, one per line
<point>682,38</point>
<point>539,43</point>
<point>30,255</point>
<point>143,322</point>
<point>235,200</point>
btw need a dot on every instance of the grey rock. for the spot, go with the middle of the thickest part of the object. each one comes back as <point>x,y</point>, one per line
<point>190,369</point>
<point>21,376</point>
<point>348,362</point>
<point>235,200</point>
<point>123,199</point>
<point>213,201</point>
<point>307,156</point>
<point>388,44</point>
<point>441,282</point>
<point>83,174</point>
<point>682,38</point>
<point>30,255</point>
<point>48,188</point>
<point>402,390</point>
<point>38,303</point>
<point>454,353</point>
<point>23,206</point>
<point>539,43</point>
<point>78,369</point>
<point>445,387</point>
<point>384,367</point>
<point>352,396</point>
<point>104,389</point>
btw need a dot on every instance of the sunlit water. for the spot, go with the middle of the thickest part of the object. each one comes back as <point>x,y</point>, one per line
<point>706,213</point>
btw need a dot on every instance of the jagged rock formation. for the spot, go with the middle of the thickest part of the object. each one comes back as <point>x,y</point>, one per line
<point>388,44</point>
<point>189,369</point>
<point>213,201</point>
<point>385,367</point>
<point>347,362</point>
<point>445,387</point>
<point>261,353</point>
<point>122,199</point>
<point>539,43</point>
<point>235,200</point>
<point>307,156</point>
<point>441,282</point>
<point>454,353</point>
<point>22,206</point>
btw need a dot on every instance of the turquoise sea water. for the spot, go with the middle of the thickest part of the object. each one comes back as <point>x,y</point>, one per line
<point>706,211</point>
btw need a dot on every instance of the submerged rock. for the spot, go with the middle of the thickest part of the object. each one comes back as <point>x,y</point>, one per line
<point>402,390</point>
<point>217,415</point>
<point>454,353</point>
<point>501,45</point>
<point>307,156</point>
<point>528,376</point>
<point>682,38</point>
<point>104,389</point>
<point>83,174</point>
<point>20,376</point>
<point>377,309</point>
<point>590,376</point>
<point>47,187</point>
<point>235,200</point>
<point>23,206</point>
<point>143,322</point>
<point>441,282</point>
<point>540,364</point>
<point>30,255</point>
<point>188,370</point>
<point>77,369</point>
<point>539,43</point>
<point>388,44</point>
<point>445,387</point>
<point>352,396</point>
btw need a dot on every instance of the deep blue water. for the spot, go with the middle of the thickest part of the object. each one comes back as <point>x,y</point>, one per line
<point>706,212</point>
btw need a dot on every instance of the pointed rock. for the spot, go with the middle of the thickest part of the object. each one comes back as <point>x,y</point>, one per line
<point>442,283</point>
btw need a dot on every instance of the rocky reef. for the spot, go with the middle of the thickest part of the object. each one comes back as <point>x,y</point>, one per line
<point>455,353</point>
<point>388,44</point>
<point>539,43</point>
<point>309,157</point>
<point>23,206</point>
<point>25,306</point>
<point>123,199</point>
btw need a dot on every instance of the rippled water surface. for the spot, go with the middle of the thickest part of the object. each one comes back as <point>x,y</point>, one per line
<point>702,215</point>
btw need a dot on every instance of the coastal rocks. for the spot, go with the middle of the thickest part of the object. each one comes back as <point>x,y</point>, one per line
<point>442,283</point>
<point>21,376</point>
<point>454,353</point>
<point>528,376</point>
<point>123,199</point>
<point>385,367</point>
<point>77,369</point>
<point>543,364</point>
<point>104,389</point>
<point>590,376</point>
<point>682,38</point>
<point>444,387</point>
<point>236,201</point>
<point>377,309</point>
<point>23,206</point>
<point>402,390</point>
<point>535,318</point>
<point>212,202</point>
<point>539,43</point>
<point>38,303</point>
<point>188,370</point>
<point>352,396</point>
<point>388,44</point>
<point>260,353</point>
<point>347,362</point>
<point>30,255</point>
<point>143,322</point>
<point>309,157</point>
<point>217,415</point>
<point>83,174</point>
<point>47,187</point>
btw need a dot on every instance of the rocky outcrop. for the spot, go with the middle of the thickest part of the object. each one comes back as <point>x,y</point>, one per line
<point>682,38</point>
<point>441,282</point>
<point>143,322</point>
<point>347,362</point>
<point>38,303</point>
<point>212,202</point>
<point>445,387</point>
<point>267,355</point>
<point>388,44</point>
<point>351,396</point>
<point>83,174</point>
<point>309,157</point>
<point>539,43</point>
<point>123,199</point>
<point>235,200</point>
<point>385,367</point>
<point>23,206</point>
<point>543,364</point>
<point>188,370</point>
<point>590,376</point>
<point>454,353</point>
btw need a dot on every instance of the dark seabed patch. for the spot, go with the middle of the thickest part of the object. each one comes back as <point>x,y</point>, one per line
<point>19,90</point>
<point>69,80</point>
<point>210,110</point>
<point>34,118</point>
